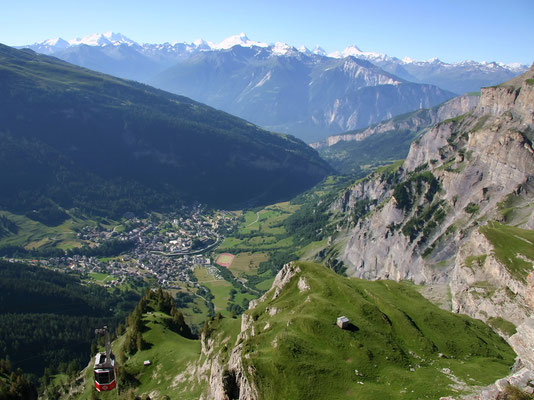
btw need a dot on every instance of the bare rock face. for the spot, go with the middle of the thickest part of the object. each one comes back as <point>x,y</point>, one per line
<point>523,343</point>
<point>231,379</point>
<point>282,278</point>
<point>476,161</point>
<point>227,380</point>
<point>483,288</point>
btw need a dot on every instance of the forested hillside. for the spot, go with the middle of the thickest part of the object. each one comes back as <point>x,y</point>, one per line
<point>73,138</point>
<point>48,318</point>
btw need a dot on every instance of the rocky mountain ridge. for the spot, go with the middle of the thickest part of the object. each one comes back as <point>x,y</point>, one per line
<point>307,95</point>
<point>486,152</point>
<point>388,141</point>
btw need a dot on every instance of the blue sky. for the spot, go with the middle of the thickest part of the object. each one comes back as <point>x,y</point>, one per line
<point>453,30</point>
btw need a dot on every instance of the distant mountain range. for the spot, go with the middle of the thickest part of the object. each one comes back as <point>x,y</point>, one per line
<point>74,138</point>
<point>294,90</point>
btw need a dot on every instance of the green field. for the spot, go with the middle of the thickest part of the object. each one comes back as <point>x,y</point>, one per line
<point>262,236</point>
<point>218,287</point>
<point>221,292</point>
<point>247,263</point>
<point>99,277</point>
<point>35,235</point>
<point>32,234</point>
<point>262,229</point>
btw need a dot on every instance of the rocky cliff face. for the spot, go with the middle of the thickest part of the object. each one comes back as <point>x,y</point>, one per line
<point>457,211</point>
<point>460,170</point>
<point>221,365</point>
<point>413,121</point>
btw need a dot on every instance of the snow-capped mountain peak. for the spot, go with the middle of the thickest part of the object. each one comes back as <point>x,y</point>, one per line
<point>319,51</point>
<point>171,52</point>
<point>516,67</point>
<point>56,42</point>
<point>237,40</point>
<point>202,44</point>
<point>354,51</point>
<point>102,39</point>
<point>50,46</point>
<point>281,49</point>
<point>433,60</point>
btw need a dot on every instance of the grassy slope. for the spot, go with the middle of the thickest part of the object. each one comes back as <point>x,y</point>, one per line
<point>512,246</point>
<point>33,234</point>
<point>392,354</point>
<point>169,354</point>
<point>397,330</point>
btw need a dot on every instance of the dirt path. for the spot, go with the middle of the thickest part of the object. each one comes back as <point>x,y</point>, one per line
<point>257,219</point>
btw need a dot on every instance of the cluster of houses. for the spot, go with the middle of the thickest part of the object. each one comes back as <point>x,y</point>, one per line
<point>163,248</point>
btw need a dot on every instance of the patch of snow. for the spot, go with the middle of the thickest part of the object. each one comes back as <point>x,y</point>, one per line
<point>303,49</point>
<point>201,44</point>
<point>515,67</point>
<point>434,60</point>
<point>354,51</point>
<point>264,79</point>
<point>408,60</point>
<point>56,42</point>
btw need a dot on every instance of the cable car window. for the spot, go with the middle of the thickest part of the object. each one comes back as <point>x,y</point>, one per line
<point>104,377</point>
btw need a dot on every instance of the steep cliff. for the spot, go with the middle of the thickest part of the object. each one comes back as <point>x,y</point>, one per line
<point>413,121</point>
<point>458,212</point>
<point>459,175</point>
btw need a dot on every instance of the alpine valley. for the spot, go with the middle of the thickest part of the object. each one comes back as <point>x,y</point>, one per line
<point>391,259</point>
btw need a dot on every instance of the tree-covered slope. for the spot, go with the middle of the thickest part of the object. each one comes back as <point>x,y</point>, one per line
<point>68,132</point>
<point>47,318</point>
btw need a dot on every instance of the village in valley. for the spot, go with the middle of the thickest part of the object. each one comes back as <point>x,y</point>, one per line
<point>163,248</point>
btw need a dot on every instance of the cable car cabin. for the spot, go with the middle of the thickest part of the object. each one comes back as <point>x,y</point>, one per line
<point>104,373</point>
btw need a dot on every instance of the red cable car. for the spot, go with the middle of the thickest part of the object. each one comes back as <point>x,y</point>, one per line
<point>105,379</point>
